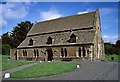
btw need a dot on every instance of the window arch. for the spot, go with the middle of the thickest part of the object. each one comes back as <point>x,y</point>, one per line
<point>84,52</point>
<point>24,53</point>
<point>65,52</point>
<point>30,42</point>
<point>62,52</point>
<point>49,40</point>
<point>36,53</point>
<point>79,52</point>
<point>72,39</point>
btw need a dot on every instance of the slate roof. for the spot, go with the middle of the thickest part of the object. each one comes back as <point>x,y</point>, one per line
<point>70,22</point>
<point>65,23</point>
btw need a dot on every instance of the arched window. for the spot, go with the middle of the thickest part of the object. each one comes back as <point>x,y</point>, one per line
<point>30,42</point>
<point>62,52</point>
<point>36,52</point>
<point>84,52</point>
<point>65,52</point>
<point>49,40</point>
<point>24,53</point>
<point>79,52</point>
<point>72,39</point>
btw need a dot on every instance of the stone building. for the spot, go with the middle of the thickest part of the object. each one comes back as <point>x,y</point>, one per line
<point>76,37</point>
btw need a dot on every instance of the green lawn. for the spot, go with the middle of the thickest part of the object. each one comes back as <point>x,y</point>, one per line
<point>4,56</point>
<point>44,69</point>
<point>7,64</point>
<point>110,57</point>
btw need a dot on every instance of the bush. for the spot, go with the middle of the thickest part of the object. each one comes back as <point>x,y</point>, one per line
<point>5,49</point>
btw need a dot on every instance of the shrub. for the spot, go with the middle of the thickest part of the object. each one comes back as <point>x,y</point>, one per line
<point>5,49</point>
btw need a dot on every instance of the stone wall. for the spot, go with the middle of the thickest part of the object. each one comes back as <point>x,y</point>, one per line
<point>13,54</point>
<point>98,43</point>
<point>72,52</point>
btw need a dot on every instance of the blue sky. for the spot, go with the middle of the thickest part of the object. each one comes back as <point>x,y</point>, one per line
<point>15,12</point>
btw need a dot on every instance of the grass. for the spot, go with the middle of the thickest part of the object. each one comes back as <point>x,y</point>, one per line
<point>4,57</point>
<point>109,57</point>
<point>44,69</point>
<point>8,64</point>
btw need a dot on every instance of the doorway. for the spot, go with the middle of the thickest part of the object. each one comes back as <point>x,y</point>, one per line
<point>50,54</point>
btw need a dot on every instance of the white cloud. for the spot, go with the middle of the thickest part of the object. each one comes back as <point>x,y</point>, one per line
<point>52,13</point>
<point>12,11</point>
<point>111,39</point>
<point>82,12</point>
<point>15,13</point>
<point>86,11</point>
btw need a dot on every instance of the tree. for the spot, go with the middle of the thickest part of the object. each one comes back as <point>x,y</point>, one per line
<point>118,44</point>
<point>112,48</point>
<point>108,48</point>
<point>5,49</point>
<point>19,33</point>
<point>5,44</point>
<point>13,39</point>
<point>5,38</point>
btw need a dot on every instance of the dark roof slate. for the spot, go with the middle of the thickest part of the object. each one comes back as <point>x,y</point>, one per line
<point>83,37</point>
<point>65,23</point>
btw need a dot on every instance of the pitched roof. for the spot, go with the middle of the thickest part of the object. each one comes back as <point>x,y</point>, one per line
<point>71,22</point>
<point>84,37</point>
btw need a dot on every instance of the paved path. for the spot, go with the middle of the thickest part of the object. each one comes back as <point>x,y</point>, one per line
<point>89,70</point>
<point>113,75</point>
<point>16,69</point>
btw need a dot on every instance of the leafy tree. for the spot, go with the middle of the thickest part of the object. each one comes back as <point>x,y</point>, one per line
<point>5,38</point>
<point>117,51</point>
<point>118,44</point>
<point>5,49</point>
<point>112,48</point>
<point>108,48</point>
<point>13,39</point>
<point>5,43</point>
<point>19,33</point>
